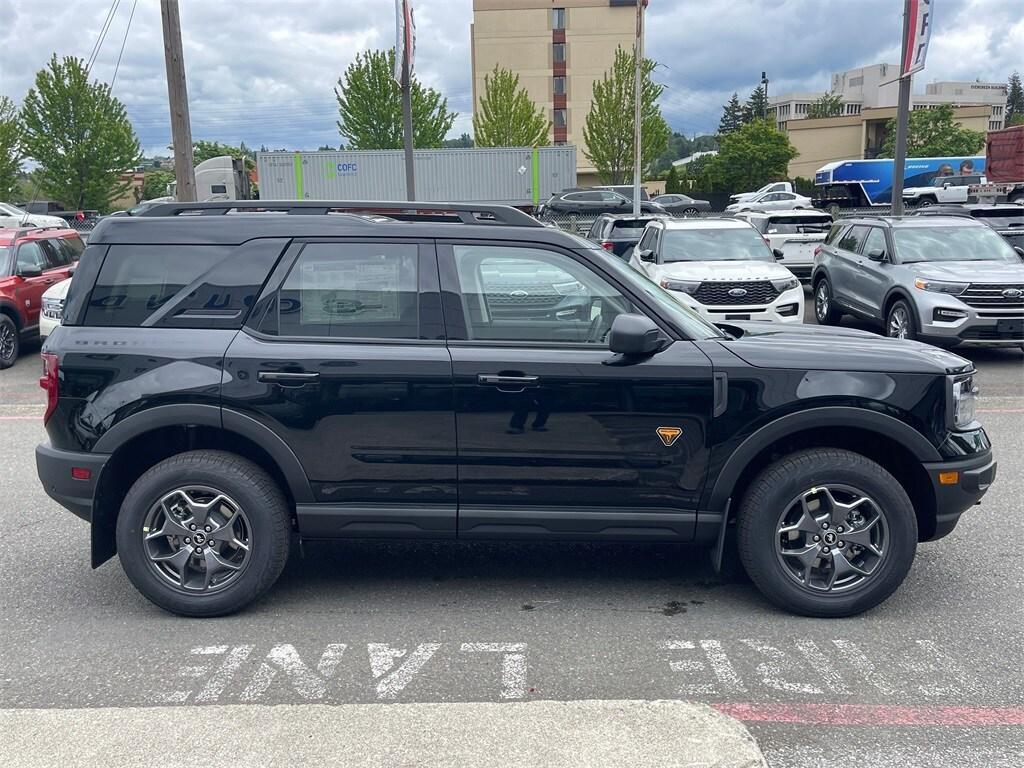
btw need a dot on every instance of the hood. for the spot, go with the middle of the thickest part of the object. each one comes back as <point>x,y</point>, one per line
<point>743,196</point>
<point>970,271</point>
<point>58,290</point>
<point>824,348</point>
<point>918,190</point>
<point>723,271</point>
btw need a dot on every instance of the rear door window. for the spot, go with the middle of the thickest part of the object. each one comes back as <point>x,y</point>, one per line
<point>853,239</point>
<point>875,241</point>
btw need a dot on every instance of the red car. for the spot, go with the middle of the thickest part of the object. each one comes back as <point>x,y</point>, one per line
<point>31,260</point>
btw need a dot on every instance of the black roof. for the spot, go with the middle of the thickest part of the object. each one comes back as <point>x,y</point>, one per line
<point>238,228</point>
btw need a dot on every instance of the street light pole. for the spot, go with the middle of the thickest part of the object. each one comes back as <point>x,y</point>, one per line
<point>764,82</point>
<point>899,162</point>
<point>638,56</point>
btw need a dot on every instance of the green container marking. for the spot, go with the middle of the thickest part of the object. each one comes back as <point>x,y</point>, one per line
<point>299,191</point>
<point>536,176</point>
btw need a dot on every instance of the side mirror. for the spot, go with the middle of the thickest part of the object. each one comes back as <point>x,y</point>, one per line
<point>645,255</point>
<point>946,185</point>
<point>779,255</point>
<point>634,335</point>
<point>877,255</point>
<point>624,201</point>
<point>28,271</point>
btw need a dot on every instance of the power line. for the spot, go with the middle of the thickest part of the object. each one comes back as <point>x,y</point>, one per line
<point>102,36</point>
<point>123,41</point>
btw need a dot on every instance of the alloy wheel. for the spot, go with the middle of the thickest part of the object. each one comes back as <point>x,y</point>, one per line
<point>197,539</point>
<point>690,212</point>
<point>832,538</point>
<point>822,302</point>
<point>899,323</point>
<point>7,341</point>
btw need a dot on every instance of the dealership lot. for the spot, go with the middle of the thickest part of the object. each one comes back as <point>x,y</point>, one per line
<point>930,676</point>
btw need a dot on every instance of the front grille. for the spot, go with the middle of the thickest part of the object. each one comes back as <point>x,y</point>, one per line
<point>530,296</point>
<point>983,295</point>
<point>988,333</point>
<point>717,294</point>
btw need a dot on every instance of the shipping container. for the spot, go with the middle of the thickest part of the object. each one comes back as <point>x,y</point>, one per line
<point>522,177</point>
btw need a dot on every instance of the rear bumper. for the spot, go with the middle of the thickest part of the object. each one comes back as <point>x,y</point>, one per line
<point>975,475</point>
<point>54,469</point>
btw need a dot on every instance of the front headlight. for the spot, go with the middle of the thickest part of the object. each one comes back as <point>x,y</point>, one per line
<point>965,399</point>
<point>53,308</point>
<point>785,284</point>
<point>940,286</point>
<point>683,286</point>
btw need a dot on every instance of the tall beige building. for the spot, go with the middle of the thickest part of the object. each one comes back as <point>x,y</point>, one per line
<point>559,48</point>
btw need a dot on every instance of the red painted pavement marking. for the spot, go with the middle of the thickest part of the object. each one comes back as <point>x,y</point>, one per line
<point>872,714</point>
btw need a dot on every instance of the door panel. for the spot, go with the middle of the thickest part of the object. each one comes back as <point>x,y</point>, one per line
<point>556,439</point>
<point>845,270</point>
<point>873,275</point>
<point>366,410</point>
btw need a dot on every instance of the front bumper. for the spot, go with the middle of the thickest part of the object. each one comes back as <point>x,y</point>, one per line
<point>974,476</point>
<point>54,468</point>
<point>787,308</point>
<point>988,327</point>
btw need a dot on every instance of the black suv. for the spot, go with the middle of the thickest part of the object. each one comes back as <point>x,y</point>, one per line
<point>581,201</point>
<point>222,383</point>
<point>617,233</point>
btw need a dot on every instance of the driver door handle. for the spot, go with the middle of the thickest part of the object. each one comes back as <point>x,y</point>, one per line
<point>507,383</point>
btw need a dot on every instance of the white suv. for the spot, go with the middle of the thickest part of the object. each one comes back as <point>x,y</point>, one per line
<point>795,235</point>
<point>721,268</point>
<point>944,189</point>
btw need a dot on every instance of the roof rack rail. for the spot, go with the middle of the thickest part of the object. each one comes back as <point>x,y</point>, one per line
<point>466,213</point>
<point>22,231</point>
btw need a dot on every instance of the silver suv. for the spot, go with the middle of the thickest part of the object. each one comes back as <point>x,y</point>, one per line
<point>943,280</point>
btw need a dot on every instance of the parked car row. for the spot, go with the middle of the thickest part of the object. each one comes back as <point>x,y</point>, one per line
<point>594,201</point>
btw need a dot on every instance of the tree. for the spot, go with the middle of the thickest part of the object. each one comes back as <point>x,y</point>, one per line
<point>829,105</point>
<point>751,157</point>
<point>672,183</point>
<point>756,107</point>
<point>732,116</point>
<point>370,106</point>
<point>507,116</point>
<point>1014,101</point>
<point>155,184</point>
<point>204,150</point>
<point>11,152</point>
<point>465,141</point>
<point>79,135</point>
<point>608,131</point>
<point>934,133</point>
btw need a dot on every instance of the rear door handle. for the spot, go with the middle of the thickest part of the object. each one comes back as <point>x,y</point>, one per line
<point>507,383</point>
<point>286,378</point>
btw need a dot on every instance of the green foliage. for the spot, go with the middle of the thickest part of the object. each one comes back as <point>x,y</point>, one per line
<point>934,133</point>
<point>732,116</point>
<point>680,145</point>
<point>749,158</point>
<point>829,105</point>
<point>1014,101</point>
<point>370,106</point>
<point>608,131</point>
<point>155,184</point>
<point>204,150</point>
<point>672,183</point>
<point>506,116</point>
<point>465,141</point>
<point>79,135</point>
<point>756,107</point>
<point>11,151</point>
<point>804,186</point>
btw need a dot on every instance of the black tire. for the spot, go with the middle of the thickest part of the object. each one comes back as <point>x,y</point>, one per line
<point>901,315</point>
<point>825,311</point>
<point>10,342</point>
<point>774,490</point>
<point>924,202</point>
<point>690,212</point>
<point>266,516</point>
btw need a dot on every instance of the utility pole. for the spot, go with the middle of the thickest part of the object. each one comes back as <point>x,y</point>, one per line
<point>764,82</point>
<point>899,163</point>
<point>406,52</point>
<point>638,51</point>
<point>177,96</point>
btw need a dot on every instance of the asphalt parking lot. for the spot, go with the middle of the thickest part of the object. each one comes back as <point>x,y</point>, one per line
<point>931,677</point>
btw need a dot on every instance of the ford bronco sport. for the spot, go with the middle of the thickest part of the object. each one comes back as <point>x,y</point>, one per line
<point>225,380</point>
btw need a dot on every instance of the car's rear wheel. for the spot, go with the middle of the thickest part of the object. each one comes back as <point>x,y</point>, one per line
<point>825,311</point>
<point>10,342</point>
<point>900,322</point>
<point>826,532</point>
<point>203,533</point>
<point>924,202</point>
<point>690,212</point>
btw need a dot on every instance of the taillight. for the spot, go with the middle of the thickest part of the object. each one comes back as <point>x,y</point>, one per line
<point>607,246</point>
<point>49,382</point>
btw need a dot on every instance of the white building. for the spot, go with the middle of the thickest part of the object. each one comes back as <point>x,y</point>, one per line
<point>875,86</point>
<point>684,161</point>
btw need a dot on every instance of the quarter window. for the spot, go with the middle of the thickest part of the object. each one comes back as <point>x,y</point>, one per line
<point>351,290</point>
<point>533,295</point>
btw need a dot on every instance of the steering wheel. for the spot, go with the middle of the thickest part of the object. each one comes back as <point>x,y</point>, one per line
<point>595,335</point>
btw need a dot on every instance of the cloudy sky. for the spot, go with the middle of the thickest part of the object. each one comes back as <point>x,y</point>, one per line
<point>263,71</point>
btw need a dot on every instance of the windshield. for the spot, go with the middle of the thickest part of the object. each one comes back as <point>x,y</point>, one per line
<point>798,225</point>
<point>919,244</point>
<point>689,322</point>
<point>10,210</point>
<point>1002,219</point>
<point>739,244</point>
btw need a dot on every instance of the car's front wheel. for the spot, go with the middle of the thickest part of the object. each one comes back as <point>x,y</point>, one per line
<point>825,311</point>
<point>899,321</point>
<point>203,533</point>
<point>826,532</point>
<point>10,342</point>
<point>690,212</point>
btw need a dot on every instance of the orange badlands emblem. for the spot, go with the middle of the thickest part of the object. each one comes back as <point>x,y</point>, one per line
<point>669,435</point>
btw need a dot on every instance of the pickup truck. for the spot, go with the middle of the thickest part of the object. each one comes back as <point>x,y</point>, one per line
<point>53,208</point>
<point>944,189</point>
<point>775,186</point>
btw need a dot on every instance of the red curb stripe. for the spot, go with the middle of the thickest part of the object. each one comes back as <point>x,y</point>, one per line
<point>871,714</point>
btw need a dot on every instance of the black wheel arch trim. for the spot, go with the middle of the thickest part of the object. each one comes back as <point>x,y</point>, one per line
<point>218,418</point>
<point>814,418</point>
<point>12,312</point>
